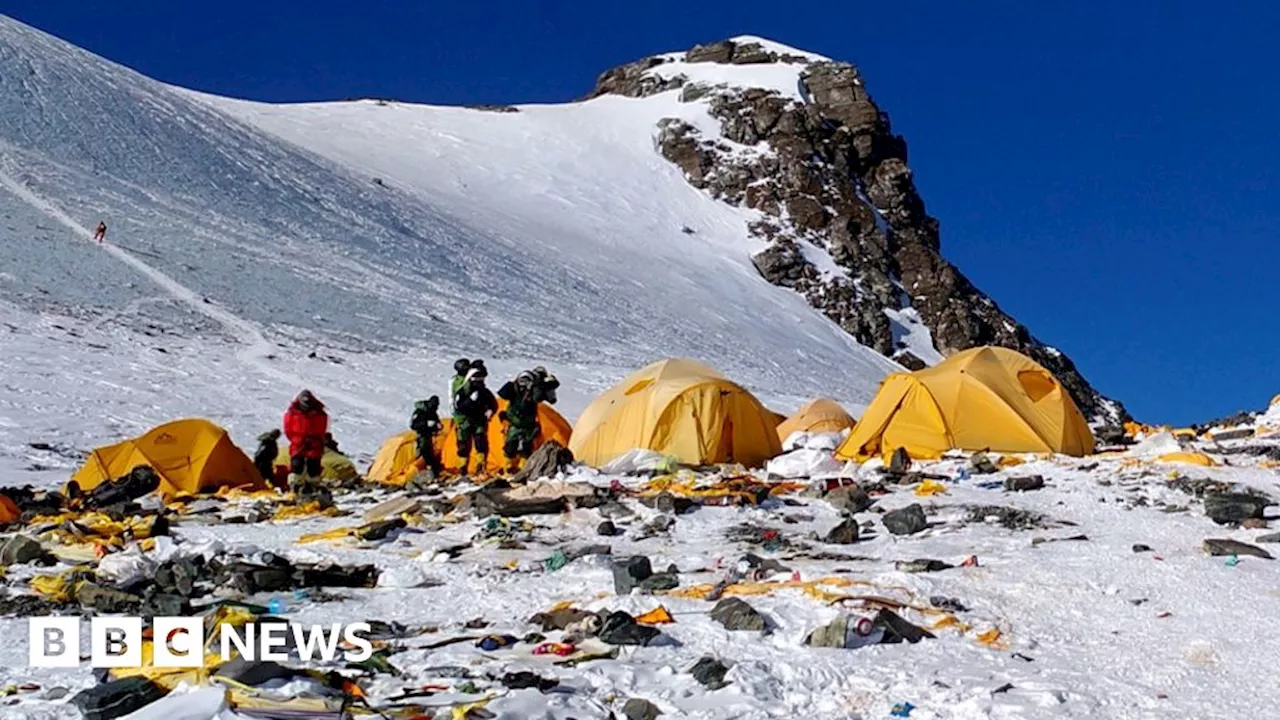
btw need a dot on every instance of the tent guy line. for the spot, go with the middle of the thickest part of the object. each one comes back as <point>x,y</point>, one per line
<point>256,348</point>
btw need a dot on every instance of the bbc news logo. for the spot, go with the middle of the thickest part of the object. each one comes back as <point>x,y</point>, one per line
<point>180,642</point>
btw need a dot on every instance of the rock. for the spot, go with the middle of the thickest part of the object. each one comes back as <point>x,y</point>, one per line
<point>524,679</point>
<point>607,529</point>
<point>1024,484</point>
<point>1270,539</point>
<point>1237,434</point>
<point>849,499</point>
<point>1226,546</point>
<point>493,501</point>
<point>1234,508</point>
<point>637,709</point>
<point>392,508</point>
<point>922,565</point>
<point>547,461</point>
<point>668,503</point>
<point>846,533</point>
<point>559,619</point>
<point>1254,524</point>
<point>628,573</point>
<point>20,550</point>
<point>1140,548</point>
<point>710,672</point>
<point>898,629</point>
<point>621,629</point>
<point>658,582</point>
<point>981,464</point>
<point>735,614</point>
<point>900,461</point>
<point>105,599</point>
<point>905,521</point>
<point>1009,517</point>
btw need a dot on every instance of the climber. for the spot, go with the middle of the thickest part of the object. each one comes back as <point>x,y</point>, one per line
<point>475,407</point>
<point>460,368</point>
<point>265,458</point>
<point>305,424</point>
<point>426,423</point>
<point>523,395</point>
<point>100,232</point>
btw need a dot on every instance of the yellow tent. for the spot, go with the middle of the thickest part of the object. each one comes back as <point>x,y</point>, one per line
<point>681,408</point>
<point>987,398</point>
<point>1187,458</point>
<point>334,465</point>
<point>190,456</point>
<point>398,453</point>
<point>818,415</point>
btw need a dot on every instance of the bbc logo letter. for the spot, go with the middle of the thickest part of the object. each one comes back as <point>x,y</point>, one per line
<point>53,641</point>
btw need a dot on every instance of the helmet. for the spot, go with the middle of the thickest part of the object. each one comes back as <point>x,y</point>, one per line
<point>306,399</point>
<point>525,378</point>
<point>461,365</point>
<point>477,365</point>
<point>540,371</point>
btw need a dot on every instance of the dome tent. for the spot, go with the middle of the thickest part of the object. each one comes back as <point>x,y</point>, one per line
<point>986,398</point>
<point>820,415</point>
<point>190,456</point>
<point>680,408</point>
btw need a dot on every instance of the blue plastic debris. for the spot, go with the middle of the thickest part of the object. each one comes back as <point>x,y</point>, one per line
<point>1232,561</point>
<point>902,709</point>
<point>277,606</point>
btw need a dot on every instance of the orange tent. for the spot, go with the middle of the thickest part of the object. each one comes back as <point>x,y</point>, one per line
<point>190,456</point>
<point>9,511</point>
<point>397,455</point>
<point>820,415</point>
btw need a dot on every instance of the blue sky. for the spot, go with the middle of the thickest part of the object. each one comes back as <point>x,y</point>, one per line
<point>1107,172</point>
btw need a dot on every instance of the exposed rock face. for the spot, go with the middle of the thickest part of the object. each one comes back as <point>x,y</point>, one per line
<point>832,178</point>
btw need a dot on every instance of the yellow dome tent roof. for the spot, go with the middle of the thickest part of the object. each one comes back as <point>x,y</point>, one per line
<point>987,398</point>
<point>190,456</point>
<point>818,415</point>
<point>397,454</point>
<point>333,465</point>
<point>1187,458</point>
<point>680,408</point>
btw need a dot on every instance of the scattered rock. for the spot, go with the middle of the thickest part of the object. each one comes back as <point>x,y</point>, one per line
<point>619,628</point>
<point>982,465</point>
<point>905,521</point>
<point>629,573</point>
<point>20,550</point>
<point>1233,508</point>
<point>668,503</point>
<point>735,614</point>
<point>1024,484</point>
<point>547,461</point>
<point>658,582</point>
<point>898,629</point>
<point>637,709</point>
<point>559,619</point>
<point>1199,487</point>
<point>607,529</point>
<point>710,672</point>
<point>1226,546</point>
<point>1270,539</point>
<point>922,565</point>
<point>1008,517</point>
<point>846,533</point>
<point>1140,548</point>
<point>849,499</point>
<point>1254,524</point>
<point>900,461</point>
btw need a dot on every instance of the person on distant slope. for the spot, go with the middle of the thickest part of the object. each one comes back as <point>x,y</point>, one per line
<point>523,395</point>
<point>100,232</point>
<point>305,424</point>
<point>475,405</point>
<point>426,423</point>
<point>265,458</point>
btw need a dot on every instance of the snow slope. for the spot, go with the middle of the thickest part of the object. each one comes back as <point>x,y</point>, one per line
<point>551,235</point>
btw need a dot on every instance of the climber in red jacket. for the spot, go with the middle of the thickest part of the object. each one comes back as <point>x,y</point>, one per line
<point>305,424</point>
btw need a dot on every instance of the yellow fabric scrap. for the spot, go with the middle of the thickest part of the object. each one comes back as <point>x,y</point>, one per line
<point>168,677</point>
<point>928,488</point>
<point>656,616</point>
<point>993,639</point>
<point>290,512</point>
<point>1008,461</point>
<point>336,534</point>
<point>749,588</point>
<point>462,711</point>
<point>62,586</point>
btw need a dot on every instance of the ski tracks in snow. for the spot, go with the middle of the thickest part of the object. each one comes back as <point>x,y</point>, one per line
<point>256,350</point>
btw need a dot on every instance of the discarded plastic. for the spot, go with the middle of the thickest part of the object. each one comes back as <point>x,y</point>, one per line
<point>902,709</point>
<point>1232,561</point>
<point>555,648</point>
<point>277,606</point>
<point>557,560</point>
<point>496,642</point>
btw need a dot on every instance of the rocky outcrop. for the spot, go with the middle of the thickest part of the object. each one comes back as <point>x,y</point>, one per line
<point>831,179</point>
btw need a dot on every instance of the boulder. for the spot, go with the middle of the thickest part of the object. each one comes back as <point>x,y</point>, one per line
<point>1234,508</point>
<point>846,533</point>
<point>638,709</point>
<point>905,521</point>
<point>1226,546</point>
<point>710,672</point>
<point>547,461</point>
<point>20,550</point>
<point>922,565</point>
<point>1024,484</point>
<point>628,573</point>
<point>849,499</point>
<point>607,529</point>
<point>619,628</point>
<point>735,614</point>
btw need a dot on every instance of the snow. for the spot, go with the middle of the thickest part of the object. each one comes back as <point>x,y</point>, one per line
<point>781,77</point>
<point>911,334</point>
<point>827,267</point>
